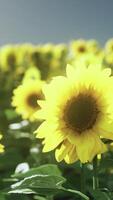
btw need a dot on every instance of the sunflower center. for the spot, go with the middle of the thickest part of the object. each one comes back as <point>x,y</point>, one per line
<point>81,113</point>
<point>81,49</point>
<point>32,100</point>
<point>11,60</point>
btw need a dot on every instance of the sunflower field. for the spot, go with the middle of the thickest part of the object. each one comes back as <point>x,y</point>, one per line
<point>56,121</point>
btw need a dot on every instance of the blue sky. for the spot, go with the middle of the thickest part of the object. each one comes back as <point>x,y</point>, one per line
<point>42,21</point>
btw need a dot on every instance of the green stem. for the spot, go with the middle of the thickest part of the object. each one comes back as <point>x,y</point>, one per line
<point>83,180</point>
<point>95,174</point>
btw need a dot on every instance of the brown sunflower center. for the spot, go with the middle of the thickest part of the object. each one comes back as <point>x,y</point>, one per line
<point>32,100</point>
<point>36,57</point>
<point>11,60</point>
<point>82,49</point>
<point>81,113</point>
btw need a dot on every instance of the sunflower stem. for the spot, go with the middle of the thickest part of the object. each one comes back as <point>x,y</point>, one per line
<point>95,174</point>
<point>83,180</point>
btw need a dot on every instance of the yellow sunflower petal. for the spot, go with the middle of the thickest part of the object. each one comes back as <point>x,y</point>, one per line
<point>45,128</point>
<point>53,141</point>
<point>89,146</point>
<point>61,152</point>
<point>106,130</point>
<point>1,148</point>
<point>71,156</point>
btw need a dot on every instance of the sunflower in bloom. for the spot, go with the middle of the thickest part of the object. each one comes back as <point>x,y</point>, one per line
<point>109,46</point>
<point>25,98</point>
<point>8,57</point>
<point>109,59</point>
<point>78,114</point>
<point>24,54</point>
<point>79,47</point>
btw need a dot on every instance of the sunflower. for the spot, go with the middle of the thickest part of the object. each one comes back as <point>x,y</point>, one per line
<point>8,57</point>
<point>109,46</point>
<point>78,114</point>
<point>25,98</point>
<point>24,54</point>
<point>109,59</point>
<point>79,47</point>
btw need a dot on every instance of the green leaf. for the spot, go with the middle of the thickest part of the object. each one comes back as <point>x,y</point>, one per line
<point>48,169</point>
<point>41,184</point>
<point>76,192</point>
<point>42,180</point>
<point>99,195</point>
<point>2,197</point>
<point>10,114</point>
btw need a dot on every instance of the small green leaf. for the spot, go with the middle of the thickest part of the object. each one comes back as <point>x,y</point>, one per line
<point>10,114</point>
<point>77,193</point>
<point>99,195</point>
<point>48,169</point>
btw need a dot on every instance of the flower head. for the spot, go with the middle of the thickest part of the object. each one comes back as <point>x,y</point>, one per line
<point>8,57</point>
<point>25,98</point>
<point>109,46</point>
<point>78,113</point>
<point>79,47</point>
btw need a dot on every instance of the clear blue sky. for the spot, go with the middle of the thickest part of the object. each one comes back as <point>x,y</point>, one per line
<point>41,21</point>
